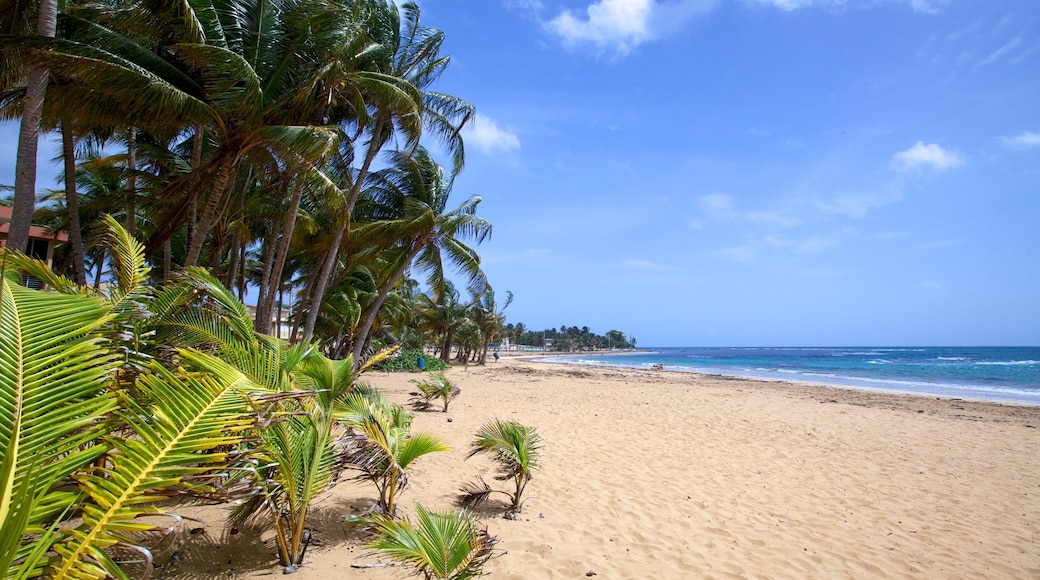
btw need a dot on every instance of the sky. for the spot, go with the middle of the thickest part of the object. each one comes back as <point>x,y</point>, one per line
<point>752,172</point>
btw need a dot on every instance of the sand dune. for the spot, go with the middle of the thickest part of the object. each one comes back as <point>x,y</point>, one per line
<point>670,475</point>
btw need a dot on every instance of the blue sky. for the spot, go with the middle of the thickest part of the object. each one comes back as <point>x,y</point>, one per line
<point>753,172</point>
<point>737,172</point>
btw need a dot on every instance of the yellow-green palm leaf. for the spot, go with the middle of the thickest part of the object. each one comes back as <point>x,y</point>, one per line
<point>191,414</point>
<point>449,546</point>
<point>53,399</point>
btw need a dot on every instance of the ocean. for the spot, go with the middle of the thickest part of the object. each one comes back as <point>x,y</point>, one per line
<point>1004,374</point>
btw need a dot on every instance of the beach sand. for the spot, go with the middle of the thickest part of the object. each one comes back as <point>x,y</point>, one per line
<point>674,475</point>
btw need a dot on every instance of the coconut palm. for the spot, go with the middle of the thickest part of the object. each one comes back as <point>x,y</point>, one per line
<point>517,450</point>
<point>488,318</point>
<point>68,418</point>
<point>381,447</point>
<point>448,546</point>
<point>412,195</point>
<point>408,53</point>
<point>436,386</point>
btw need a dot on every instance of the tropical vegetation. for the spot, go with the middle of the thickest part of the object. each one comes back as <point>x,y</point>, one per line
<point>516,449</point>
<point>435,386</point>
<point>449,545</point>
<point>215,152</point>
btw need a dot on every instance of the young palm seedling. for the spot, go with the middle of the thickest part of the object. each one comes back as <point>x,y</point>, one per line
<point>517,449</point>
<point>449,546</point>
<point>437,386</point>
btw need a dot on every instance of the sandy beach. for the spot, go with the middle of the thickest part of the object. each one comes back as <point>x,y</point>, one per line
<point>674,475</point>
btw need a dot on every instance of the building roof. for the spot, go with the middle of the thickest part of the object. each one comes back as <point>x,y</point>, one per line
<point>36,232</point>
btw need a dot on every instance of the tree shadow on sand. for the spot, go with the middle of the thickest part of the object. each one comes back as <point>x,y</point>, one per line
<point>216,552</point>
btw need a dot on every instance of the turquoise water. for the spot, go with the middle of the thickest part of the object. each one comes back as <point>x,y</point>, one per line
<point>1007,374</point>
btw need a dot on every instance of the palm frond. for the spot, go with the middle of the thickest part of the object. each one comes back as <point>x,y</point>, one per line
<point>439,545</point>
<point>190,415</point>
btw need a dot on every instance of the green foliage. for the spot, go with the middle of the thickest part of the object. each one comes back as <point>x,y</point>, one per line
<point>75,440</point>
<point>516,448</point>
<point>436,386</point>
<point>380,445</point>
<point>448,546</point>
<point>568,338</point>
<point>408,360</point>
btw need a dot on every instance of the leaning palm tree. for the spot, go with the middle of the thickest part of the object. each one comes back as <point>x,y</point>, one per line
<point>516,448</point>
<point>412,212</point>
<point>440,546</point>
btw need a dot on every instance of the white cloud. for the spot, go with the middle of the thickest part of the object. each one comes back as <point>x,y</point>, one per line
<point>488,137</point>
<point>856,204</point>
<point>621,25</point>
<point>1000,53</point>
<point>921,155</point>
<point>1023,140</point>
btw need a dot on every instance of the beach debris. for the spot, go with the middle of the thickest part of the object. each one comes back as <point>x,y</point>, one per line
<point>590,573</point>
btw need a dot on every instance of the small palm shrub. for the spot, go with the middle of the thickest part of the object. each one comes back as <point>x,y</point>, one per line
<point>380,445</point>
<point>442,546</point>
<point>516,448</point>
<point>437,386</point>
<point>408,360</point>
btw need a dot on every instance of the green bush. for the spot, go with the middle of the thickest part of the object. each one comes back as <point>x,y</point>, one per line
<point>408,360</point>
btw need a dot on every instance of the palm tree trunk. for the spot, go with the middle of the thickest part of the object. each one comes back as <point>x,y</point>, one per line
<point>196,163</point>
<point>167,263</point>
<point>209,213</point>
<point>29,137</point>
<point>323,281</point>
<point>131,180</point>
<point>361,336</point>
<point>68,153</point>
<point>348,209</point>
<point>288,227</point>
<point>262,323</point>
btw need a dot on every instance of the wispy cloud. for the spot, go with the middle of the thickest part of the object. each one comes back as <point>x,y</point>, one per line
<point>924,6</point>
<point>717,205</point>
<point>921,155</point>
<point>645,266</point>
<point>937,244</point>
<point>488,137</point>
<point>1023,140</point>
<point>618,26</point>
<point>1000,54</point>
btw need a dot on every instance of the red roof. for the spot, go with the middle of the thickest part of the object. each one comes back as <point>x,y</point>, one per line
<point>34,231</point>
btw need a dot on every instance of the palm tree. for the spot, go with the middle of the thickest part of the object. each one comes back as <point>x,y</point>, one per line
<point>68,416</point>
<point>381,446</point>
<point>436,386</point>
<point>443,316</point>
<point>516,448</point>
<point>488,318</point>
<point>413,196</point>
<point>409,54</point>
<point>449,546</point>
<point>15,21</point>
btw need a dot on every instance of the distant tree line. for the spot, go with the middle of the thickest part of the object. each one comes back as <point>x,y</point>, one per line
<point>566,338</point>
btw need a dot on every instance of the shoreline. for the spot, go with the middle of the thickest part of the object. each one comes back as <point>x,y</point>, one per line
<point>667,474</point>
<point>853,383</point>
